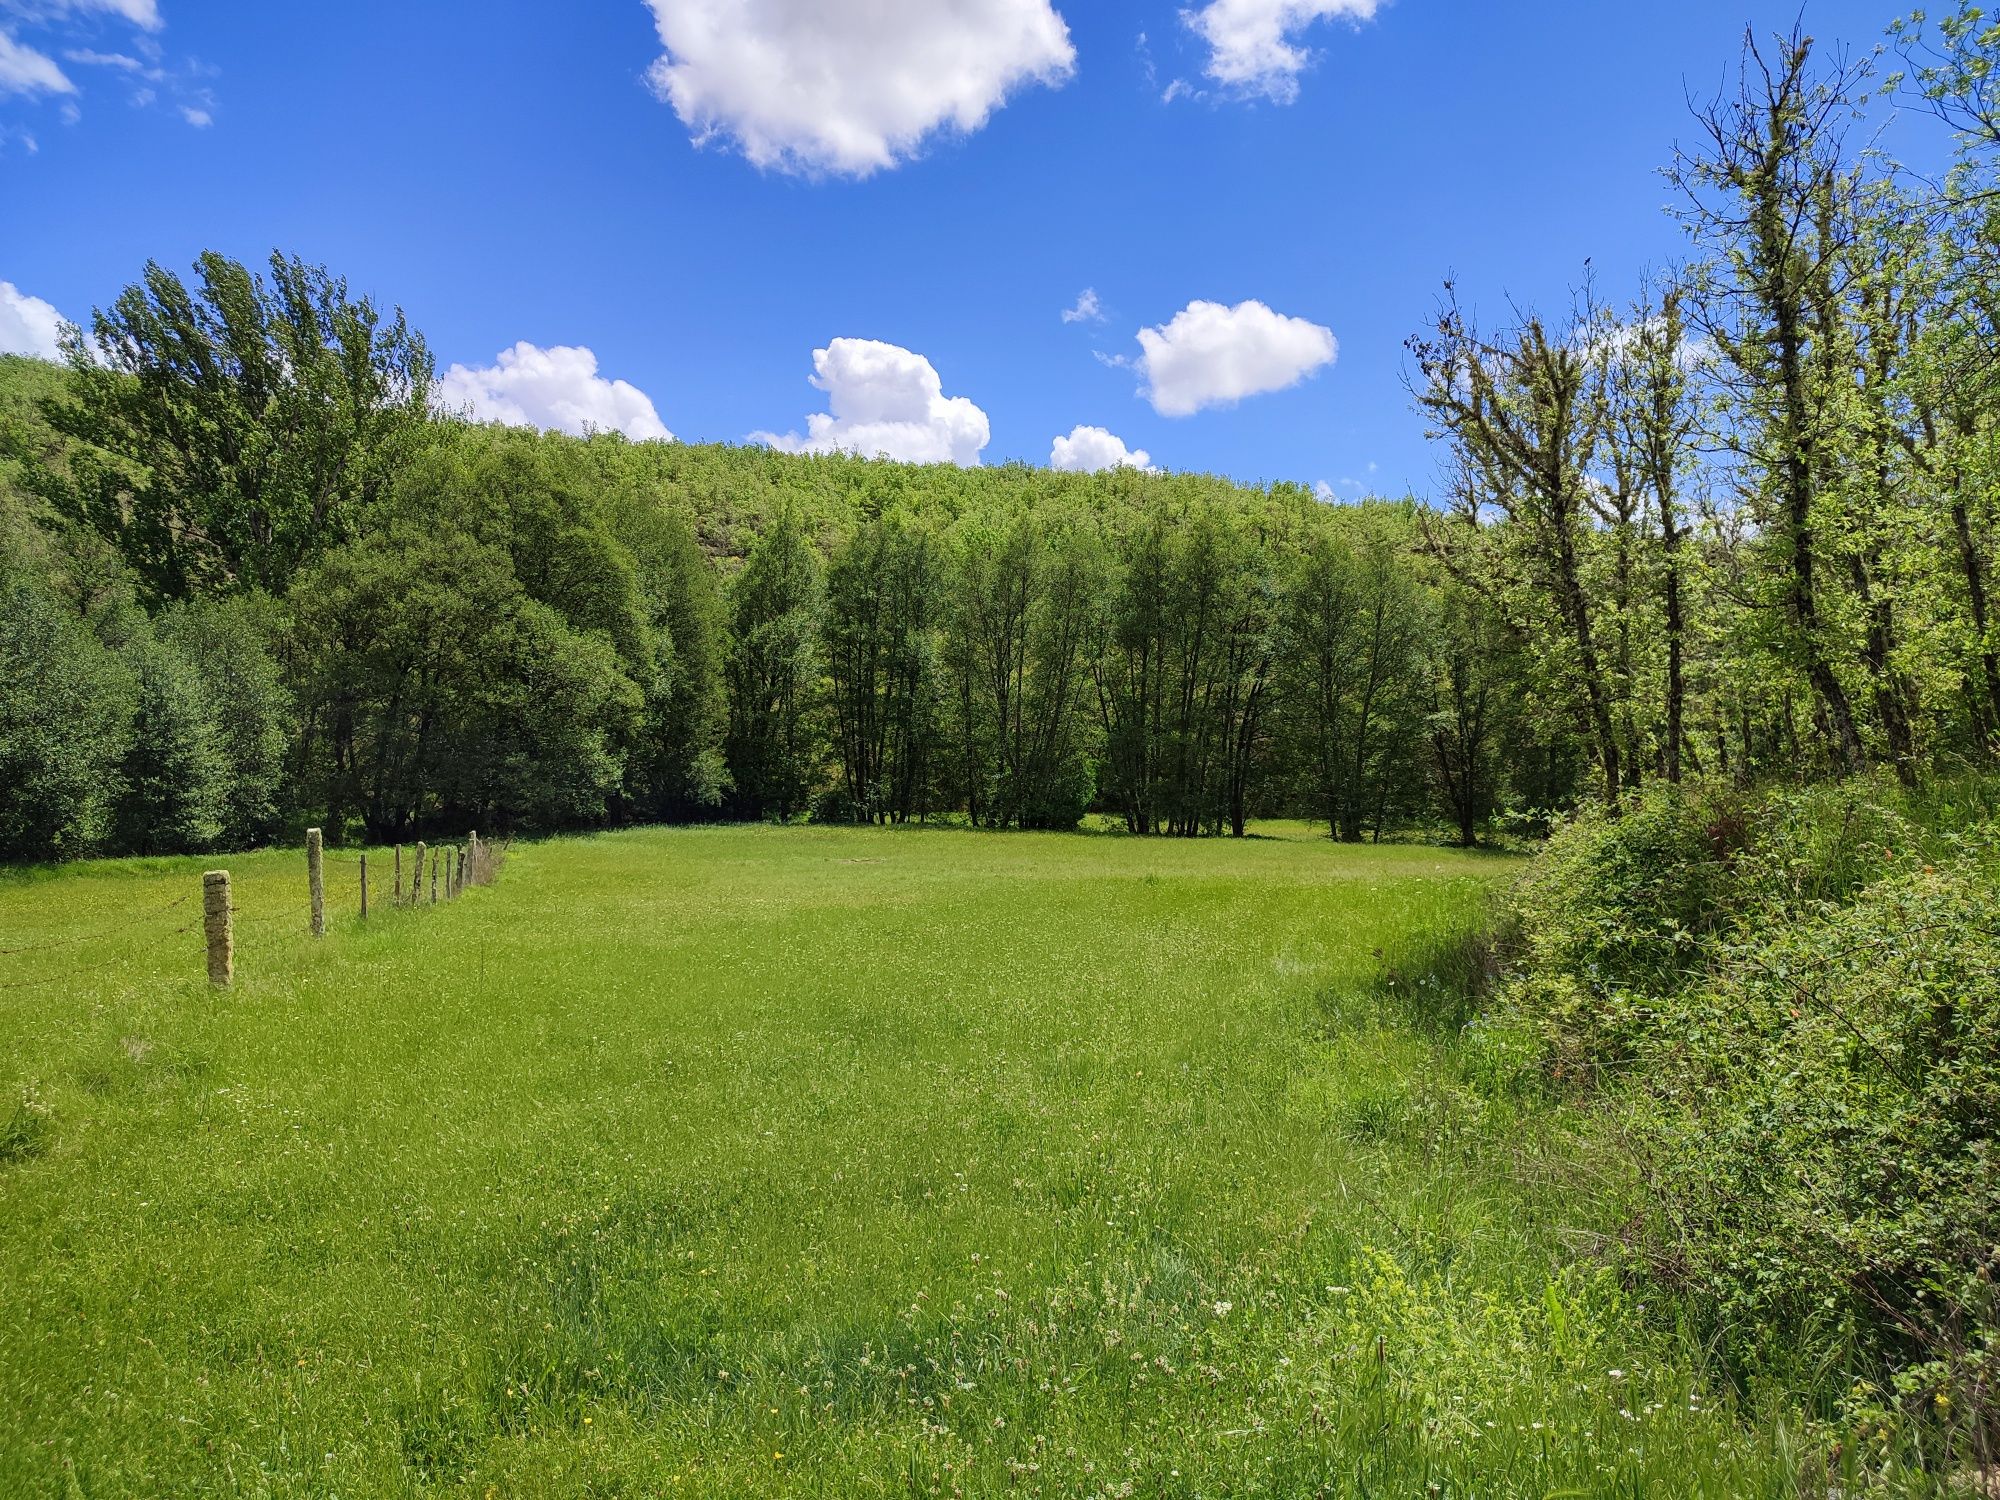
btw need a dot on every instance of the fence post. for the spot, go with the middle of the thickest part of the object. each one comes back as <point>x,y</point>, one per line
<point>398,898</point>
<point>436,856</point>
<point>472,841</point>
<point>417,878</point>
<point>218,927</point>
<point>364,885</point>
<point>316,876</point>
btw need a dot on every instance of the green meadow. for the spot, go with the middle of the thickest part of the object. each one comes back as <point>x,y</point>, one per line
<point>802,1161</point>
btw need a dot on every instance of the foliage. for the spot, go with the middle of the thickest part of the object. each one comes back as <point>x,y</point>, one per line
<point>65,706</point>
<point>774,736</point>
<point>1793,1002</point>
<point>174,783</point>
<point>253,421</point>
<point>230,643</point>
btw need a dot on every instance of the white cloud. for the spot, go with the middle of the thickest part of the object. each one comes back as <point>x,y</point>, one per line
<point>1088,449</point>
<point>1087,310</point>
<point>28,325</point>
<point>849,86</point>
<point>559,387</point>
<point>1211,355</point>
<point>201,119</point>
<point>884,400</point>
<point>1252,44</point>
<point>145,14</point>
<point>23,70</point>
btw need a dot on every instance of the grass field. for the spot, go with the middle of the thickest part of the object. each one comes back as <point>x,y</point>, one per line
<point>802,1162</point>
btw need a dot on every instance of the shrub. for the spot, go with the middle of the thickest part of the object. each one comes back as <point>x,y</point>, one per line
<point>228,644</point>
<point>175,777</point>
<point>65,711</point>
<point>1798,999</point>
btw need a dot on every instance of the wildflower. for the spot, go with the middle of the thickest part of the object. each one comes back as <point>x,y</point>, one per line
<point>1222,1309</point>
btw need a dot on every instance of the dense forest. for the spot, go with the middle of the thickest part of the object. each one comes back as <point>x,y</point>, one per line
<point>1740,527</point>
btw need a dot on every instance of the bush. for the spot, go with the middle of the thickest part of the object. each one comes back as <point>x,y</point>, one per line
<point>1822,1120</point>
<point>65,712</point>
<point>175,778</point>
<point>1791,1005</point>
<point>228,643</point>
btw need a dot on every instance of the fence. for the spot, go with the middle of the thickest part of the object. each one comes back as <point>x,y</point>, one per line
<point>453,868</point>
<point>437,874</point>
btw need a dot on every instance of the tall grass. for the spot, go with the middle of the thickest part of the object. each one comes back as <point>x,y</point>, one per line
<point>813,1162</point>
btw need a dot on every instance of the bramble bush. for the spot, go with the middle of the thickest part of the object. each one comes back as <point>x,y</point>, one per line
<point>1788,1007</point>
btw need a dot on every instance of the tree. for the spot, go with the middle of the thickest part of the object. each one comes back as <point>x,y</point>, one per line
<point>1524,414</point>
<point>65,725</point>
<point>254,421</point>
<point>881,636</point>
<point>173,785</point>
<point>776,747</point>
<point>435,691</point>
<point>229,645</point>
<point>1764,196</point>
<point>1463,684</point>
<point>1349,685</point>
<point>1026,624</point>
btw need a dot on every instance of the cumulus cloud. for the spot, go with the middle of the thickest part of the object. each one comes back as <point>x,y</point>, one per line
<point>1089,449</point>
<point>1211,355</point>
<point>1087,310</point>
<point>1253,46</point>
<point>145,14</point>
<point>23,70</point>
<point>528,386</point>
<point>849,86</point>
<point>28,325</point>
<point>885,401</point>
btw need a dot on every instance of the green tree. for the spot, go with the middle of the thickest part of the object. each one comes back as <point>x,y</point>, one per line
<point>174,783</point>
<point>229,644</point>
<point>777,749</point>
<point>65,725</point>
<point>882,654</point>
<point>253,421</point>
<point>1025,626</point>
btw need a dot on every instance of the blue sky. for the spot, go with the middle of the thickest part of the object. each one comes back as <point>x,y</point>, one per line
<point>515,173</point>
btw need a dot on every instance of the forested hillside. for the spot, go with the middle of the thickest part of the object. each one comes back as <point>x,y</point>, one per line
<point>1740,526</point>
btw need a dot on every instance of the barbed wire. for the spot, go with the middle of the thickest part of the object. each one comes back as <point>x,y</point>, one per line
<point>86,971</point>
<point>88,937</point>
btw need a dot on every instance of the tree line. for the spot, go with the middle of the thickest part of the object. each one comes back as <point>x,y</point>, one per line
<point>1742,527</point>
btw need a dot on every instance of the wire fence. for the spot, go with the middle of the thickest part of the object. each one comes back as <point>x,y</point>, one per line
<point>437,874</point>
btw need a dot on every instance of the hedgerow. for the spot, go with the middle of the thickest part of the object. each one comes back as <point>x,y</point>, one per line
<point>1785,1010</point>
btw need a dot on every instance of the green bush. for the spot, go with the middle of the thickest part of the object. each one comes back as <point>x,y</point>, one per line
<point>228,642</point>
<point>174,782</point>
<point>1789,1006</point>
<point>65,724</point>
<point>1822,1113</point>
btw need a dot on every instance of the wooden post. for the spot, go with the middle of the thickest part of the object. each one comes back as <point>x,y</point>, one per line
<point>437,855</point>
<point>316,877</point>
<point>364,885</point>
<point>473,850</point>
<point>417,879</point>
<point>398,899</point>
<point>218,927</point>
